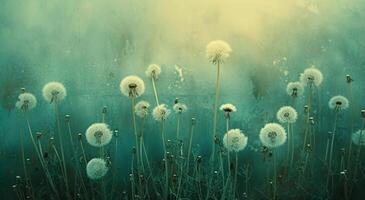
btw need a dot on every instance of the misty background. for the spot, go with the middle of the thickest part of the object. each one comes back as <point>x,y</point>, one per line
<point>90,45</point>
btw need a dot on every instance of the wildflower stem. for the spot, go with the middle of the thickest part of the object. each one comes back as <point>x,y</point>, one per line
<point>275,176</point>
<point>235,176</point>
<point>191,133</point>
<point>135,132</point>
<point>165,160</point>
<point>155,90</point>
<point>331,149</point>
<point>45,169</point>
<point>28,181</point>
<point>58,124</point>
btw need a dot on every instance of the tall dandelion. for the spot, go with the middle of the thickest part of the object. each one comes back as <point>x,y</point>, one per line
<point>133,87</point>
<point>336,103</point>
<point>288,115</point>
<point>153,71</point>
<point>160,113</point>
<point>227,109</point>
<point>234,141</point>
<point>179,108</point>
<point>217,52</point>
<point>273,135</point>
<point>55,92</point>
<point>26,102</point>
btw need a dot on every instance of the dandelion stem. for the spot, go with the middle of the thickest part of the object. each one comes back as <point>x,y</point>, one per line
<point>165,160</point>
<point>155,90</point>
<point>58,124</point>
<point>40,158</point>
<point>191,133</point>
<point>275,176</point>
<point>331,149</point>
<point>135,133</point>
<point>235,176</point>
<point>28,181</point>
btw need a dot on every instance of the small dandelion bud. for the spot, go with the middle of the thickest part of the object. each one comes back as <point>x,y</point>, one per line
<point>104,111</point>
<point>306,109</point>
<point>349,79</point>
<point>23,90</point>
<point>193,121</point>
<point>363,113</point>
<point>116,132</point>
<point>79,135</point>
<point>38,135</point>
<point>67,118</point>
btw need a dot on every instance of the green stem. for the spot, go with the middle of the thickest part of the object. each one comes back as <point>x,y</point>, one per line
<point>61,146</point>
<point>166,188</point>
<point>155,90</point>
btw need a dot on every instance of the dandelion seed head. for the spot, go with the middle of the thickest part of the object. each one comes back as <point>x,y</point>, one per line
<point>54,91</point>
<point>272,135</point>
<point>153,70</point>
<point>235,140</point>
<point>358,137</point>
<point>295,89</point>
<point>311,76</point>
<point>132,86</point>
<point>141,109</point>
<point>218,51</point>
<point>96,168</point>
<point>287,114</point>
<point>26,101</point>
<point>98,134</point>
<point>180,108</point>
<point>161,112</point>
<point>228,108</point>
<point>338,102</point>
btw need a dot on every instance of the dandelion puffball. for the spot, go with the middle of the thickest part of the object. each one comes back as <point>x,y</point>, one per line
<point>96,168</point>
<point>287,114</point>
<point>338,102</point>
<point>98,134</point>
<point>358,137</point>
<point>132,86</point>
<point>161,112</point>
<point>228,108</point>
<point>180,108</point>
<point>54,91</point>
<point>311,76</point>
<point>218,51</point>
<point>153,70</point>
<point>141,108</point>
<point>234,140</point>
<point>26,101</point>
<point>272,135</point>
<point>294,89</point>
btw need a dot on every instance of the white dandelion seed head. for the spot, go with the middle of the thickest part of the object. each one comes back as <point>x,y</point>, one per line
<point>218,51</point>
<point>96,168</point>
<point>98,135</point>
<point>338,102</point>
<point>153,70</point>
<point>295,89</point>
<point>358,137</point>
<point>272,135</point>
<point>141,109</point>
<point>228,108</point>
<point>180,108</point>
<point>26,101</point>
<point>287,114</point>
<point>132,86</point>
<point>311,76</point>
<point>161,112</point>
<point>54,91</point>
<point>235,140</point>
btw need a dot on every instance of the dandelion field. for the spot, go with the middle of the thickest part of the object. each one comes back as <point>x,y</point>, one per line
<point>219,104</point>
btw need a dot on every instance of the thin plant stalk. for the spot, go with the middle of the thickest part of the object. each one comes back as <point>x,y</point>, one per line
<point>191,133</point>
<point>28,181</point>
<point>58,124</point>
<point>154,89</point>
<point>135,133</point>
<point>214,132</point>
<point>48,175</point>
<point>308,115</point>
<point>275,176</point>
<point>352,123</point>
<point>166,185</point>
<point>292,146</point>
<point>331,149</point>
<point>235,175</point>
<point>358,153</point>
